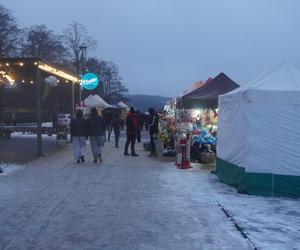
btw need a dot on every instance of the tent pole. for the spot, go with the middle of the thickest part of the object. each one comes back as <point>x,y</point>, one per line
<point>39,112</point>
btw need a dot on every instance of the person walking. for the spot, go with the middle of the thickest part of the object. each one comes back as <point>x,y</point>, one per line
<point>153,130</point>
<point>78,133</point>
<point>131,131</point>
<point>96,126</point>
<point>140,125</point>
<point>107,115</point>
<point>116,124</point>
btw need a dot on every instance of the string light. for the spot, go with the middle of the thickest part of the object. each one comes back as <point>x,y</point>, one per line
<point>57,72</point>
<point>21,64</point>
<point>35,63</point>
<point>7,64</point>
<point>23,81</point>
<point>31,82</point>
<point>8,78</point>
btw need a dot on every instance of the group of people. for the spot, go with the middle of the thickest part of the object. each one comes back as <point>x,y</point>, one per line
<point>93,127</point>
<point>133,130</point>
<point>96,126</point>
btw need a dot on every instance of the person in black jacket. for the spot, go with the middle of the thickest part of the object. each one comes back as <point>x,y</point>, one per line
<point>131,131</point>
<point>96,127</point>
<point>78,132</point>
<point>116,124</point>
<point>153,130</point>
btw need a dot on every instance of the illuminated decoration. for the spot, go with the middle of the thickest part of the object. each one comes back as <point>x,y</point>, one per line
<point>7,77</point>
<point>89,81</point>
<point>21,64</point>
<point>31,82</point>
<point>7,64</point>
<point>54,71</point>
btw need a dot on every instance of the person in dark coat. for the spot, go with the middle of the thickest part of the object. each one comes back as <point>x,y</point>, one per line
<point>116,124</point>
<point>107,115</point>
<point>78,131</point>
<point>153,130</point>
<point>140,125</point>
<point>96,126</point>
<point>131,131</point>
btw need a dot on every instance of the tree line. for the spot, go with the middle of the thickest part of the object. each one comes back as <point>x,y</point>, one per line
<point>67,49</point>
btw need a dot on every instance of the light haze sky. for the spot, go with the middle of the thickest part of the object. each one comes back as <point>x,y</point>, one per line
<point>163,46</point>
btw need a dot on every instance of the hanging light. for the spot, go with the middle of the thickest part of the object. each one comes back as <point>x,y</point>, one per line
<point>21,64</point>
<point>54,71</point>
<point>7,64</point>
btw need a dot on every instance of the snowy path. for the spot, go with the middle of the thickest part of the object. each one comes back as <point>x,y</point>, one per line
<point>125,203</point>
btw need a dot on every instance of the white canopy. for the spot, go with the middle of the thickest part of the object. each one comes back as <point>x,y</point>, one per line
<point>259,123</point>
<point>122,104</point>
<point>255,118</point>
<point>95,101</point>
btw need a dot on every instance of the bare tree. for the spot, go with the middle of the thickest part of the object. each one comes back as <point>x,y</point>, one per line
<point>40,42</point>
<point>9,33</point>
<point>76,36</point>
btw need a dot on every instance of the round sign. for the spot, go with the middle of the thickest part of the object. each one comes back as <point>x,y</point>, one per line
<point>89,81</point>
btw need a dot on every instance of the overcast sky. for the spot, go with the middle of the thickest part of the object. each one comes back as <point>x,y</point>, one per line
<point>163,46</point>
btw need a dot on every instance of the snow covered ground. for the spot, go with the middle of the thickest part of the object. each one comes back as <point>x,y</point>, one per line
<point>135,203</point>
<point>270,223</point>
<point>9,168</point>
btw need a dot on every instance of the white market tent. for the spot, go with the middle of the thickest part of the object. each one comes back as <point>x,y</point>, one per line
<point>122,104</point>
<point>258,148</point>
<point>95,101</point>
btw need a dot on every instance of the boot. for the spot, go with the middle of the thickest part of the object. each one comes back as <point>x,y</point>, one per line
<point>82,158</point>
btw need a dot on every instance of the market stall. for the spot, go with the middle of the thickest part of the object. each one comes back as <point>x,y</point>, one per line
<point>193,117</point>
<point>258,134</point>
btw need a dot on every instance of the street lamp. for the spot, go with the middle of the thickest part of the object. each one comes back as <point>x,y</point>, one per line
<point>82,49</point>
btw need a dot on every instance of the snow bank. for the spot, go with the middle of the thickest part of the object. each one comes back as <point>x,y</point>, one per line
<point>9,168</point>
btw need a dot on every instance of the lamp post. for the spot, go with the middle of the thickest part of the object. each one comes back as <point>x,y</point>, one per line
<point>82,49</point>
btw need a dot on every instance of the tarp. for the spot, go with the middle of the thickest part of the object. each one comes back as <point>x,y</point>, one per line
<point>96,101</point>
<point>206,96</point>
<point>258,145</point>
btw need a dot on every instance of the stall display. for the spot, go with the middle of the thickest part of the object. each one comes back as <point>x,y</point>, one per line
<point>201,125</point>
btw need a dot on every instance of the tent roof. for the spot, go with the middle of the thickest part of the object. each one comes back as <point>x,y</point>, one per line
<point>213,88</point>
<point>122,104</point>
<point>194,86</point>
<point>95,101</point>
<point>282,77</point>
<point>207,95</point>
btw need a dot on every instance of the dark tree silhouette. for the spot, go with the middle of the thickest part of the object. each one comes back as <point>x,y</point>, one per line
<point>40,42</point>
<point>9,33</point>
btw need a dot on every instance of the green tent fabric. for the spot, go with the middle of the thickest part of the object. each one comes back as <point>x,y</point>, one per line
<point>263,184</point>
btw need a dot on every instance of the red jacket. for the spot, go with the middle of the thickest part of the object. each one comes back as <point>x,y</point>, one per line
<point>131,124</point>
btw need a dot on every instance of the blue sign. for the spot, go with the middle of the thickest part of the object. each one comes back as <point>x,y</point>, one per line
<point>89,81</point>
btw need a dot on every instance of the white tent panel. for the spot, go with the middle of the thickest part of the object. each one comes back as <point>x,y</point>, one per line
<point>259,123</point>
<point>232,131</point>
<point>273,139</point>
